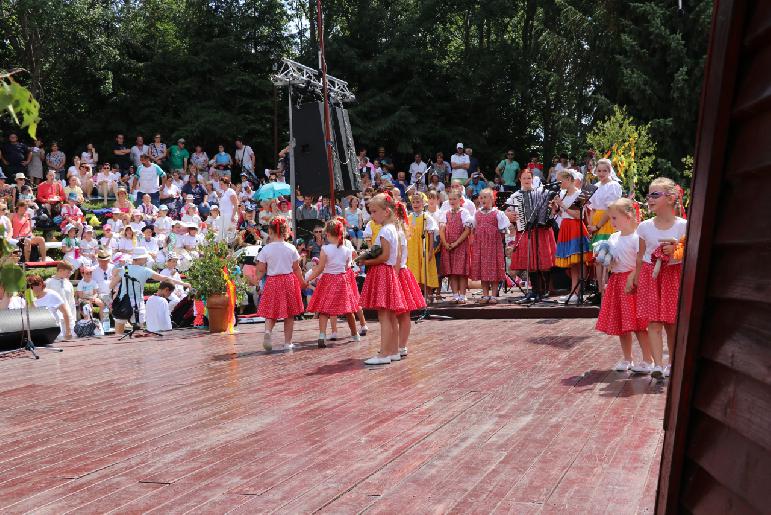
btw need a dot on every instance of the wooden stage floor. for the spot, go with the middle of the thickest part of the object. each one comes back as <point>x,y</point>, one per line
<point>517,416</point>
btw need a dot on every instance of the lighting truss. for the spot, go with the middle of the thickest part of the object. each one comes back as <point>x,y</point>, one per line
<point>294,73</point>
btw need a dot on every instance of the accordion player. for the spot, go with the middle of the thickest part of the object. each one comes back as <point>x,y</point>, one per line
<point>534,247</point>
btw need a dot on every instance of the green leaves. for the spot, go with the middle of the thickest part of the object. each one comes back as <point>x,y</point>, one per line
<point>19,103</point>
<point>12,278</point>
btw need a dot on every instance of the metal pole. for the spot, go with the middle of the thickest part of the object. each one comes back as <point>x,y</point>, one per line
<point>292,176</point>
<point>327,127</point>
<point>275,120</point>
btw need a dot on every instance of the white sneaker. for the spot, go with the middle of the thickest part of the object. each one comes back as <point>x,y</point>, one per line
<point>395,357</point>
<point>573,299</point>
<point>356,337</point>
<point>289,346</point>
<point>657,372</point>
<point>378,360</point>
<point>667,370</point>
<point>641,367</point>
<point>266,341</point>
<point>622,366</point>
<point>363,330</point>
<point>403,351</point>
<point>333,336</point>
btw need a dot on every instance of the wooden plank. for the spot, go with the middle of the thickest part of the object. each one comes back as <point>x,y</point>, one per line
<point>735,400</point>
<point>741,276</point>
<point>754,93</point>
<point>758,26</point>
<point>748,151</point>
<point>739,464</point>
<point>742,224</point>
<point>703,495</point>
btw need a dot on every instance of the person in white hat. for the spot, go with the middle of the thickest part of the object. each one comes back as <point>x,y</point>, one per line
<point>163,222</point>
<point>170,271</point>
<point>460,162</point>
<point>135,289</point>
<point>88,247</point>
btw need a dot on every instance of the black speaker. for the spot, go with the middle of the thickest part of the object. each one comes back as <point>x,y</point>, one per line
<point>310,154</point>
<point>43,324</point>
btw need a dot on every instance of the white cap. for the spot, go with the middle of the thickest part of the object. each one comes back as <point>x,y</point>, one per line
<point>459,145</point>
<point>140,253</point>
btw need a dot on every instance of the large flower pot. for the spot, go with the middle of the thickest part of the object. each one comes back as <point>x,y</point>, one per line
<point>219,314</point>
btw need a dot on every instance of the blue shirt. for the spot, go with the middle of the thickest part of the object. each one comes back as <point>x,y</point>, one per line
<point>136,288</point>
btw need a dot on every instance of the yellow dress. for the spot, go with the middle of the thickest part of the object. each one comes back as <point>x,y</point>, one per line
<point>415,253</point>
<point>375,229</point>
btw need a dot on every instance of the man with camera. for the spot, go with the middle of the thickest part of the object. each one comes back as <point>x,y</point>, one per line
<point>135,276</point>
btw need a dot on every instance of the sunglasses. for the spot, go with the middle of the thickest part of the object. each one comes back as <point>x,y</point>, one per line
<point>316,232</point>
<point>655,194</point>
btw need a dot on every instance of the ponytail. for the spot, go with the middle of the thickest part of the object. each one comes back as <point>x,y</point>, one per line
<point>278,227</point>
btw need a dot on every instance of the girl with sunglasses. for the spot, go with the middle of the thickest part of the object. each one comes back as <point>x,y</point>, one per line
<point>658,292</point>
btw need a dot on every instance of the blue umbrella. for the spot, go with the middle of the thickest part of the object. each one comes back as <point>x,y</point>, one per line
<point>272,190</point>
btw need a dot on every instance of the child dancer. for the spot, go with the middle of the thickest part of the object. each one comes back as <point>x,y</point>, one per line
<point>351,276</point>
<point>488,263</point>
<point>657,296</point>
<point>413,295</point>
<point>281,297</point>
<point>453,231</point>
<point>421,257</point>
<point>333,296</point>
<point>618,314</point>
<point>608,190</point>
<point>382,290</point>
<point>572,238</point>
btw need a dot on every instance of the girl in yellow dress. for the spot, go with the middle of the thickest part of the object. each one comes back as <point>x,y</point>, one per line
<point>421,244</point>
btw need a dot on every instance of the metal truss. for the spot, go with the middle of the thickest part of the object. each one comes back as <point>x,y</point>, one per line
<point>294,73</point>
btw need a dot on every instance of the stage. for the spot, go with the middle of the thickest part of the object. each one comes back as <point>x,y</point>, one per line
<point>514,416</point>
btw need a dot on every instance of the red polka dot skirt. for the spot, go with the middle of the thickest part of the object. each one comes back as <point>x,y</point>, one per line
<point>333,296</point>
<point>413,295</point>
<point>281,297</point>
<point>657,298</point>
<point>618,314</point>
<point>382,290</point>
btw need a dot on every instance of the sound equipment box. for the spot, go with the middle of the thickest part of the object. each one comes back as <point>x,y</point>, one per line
<point>13,322</point>
<point>310,154</point>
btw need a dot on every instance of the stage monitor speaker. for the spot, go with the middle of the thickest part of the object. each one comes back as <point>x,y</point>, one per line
<point>43,325</point>
<point>310,155</point>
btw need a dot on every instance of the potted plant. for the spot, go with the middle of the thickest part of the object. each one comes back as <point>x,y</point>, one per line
<point>215,277</point>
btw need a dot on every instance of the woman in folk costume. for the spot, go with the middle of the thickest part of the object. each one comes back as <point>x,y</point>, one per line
<point>421,253</point>
<point>608,191</point>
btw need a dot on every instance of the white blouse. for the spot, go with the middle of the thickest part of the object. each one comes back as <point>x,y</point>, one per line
<point>605,194</point>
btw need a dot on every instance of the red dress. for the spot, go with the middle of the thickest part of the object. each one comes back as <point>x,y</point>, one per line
<point>333,296</point>
<point>455,261</point>
<point>487,260</point>
<point>413,295</point>
<point>618,314</point>
<point>382,290</point>
<point>541,250</point>
<point>281,297</point>
<point>657,298</point>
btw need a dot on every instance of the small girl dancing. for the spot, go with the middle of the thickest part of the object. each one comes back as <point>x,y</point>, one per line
<point>413,296</point>
<point>455,227</point>
<point>382,290</point>
<point>618,314</point>
<point>281,296</point>
<point>657,294</point>
<point>333,295</point>
<point>488,263</point>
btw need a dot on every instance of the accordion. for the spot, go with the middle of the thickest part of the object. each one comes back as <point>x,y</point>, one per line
<point>531,207</point>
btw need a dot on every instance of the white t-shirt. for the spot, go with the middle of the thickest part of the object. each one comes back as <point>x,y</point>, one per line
<point>151,246</point>
<point>459,173</point>
<point>163,224</point>
<point>66,292</point>
<point>624,251</point>
<point>179,290</point>
<point>418,169</point>
<point>388,233</point>
<point>157,315</point>
<point>228,203</point>
<point>89,288</point>
<point>279,256</point>
<point>137,152</point>
<point>651,235</point>
<point>102,278</point>
<point>149,178</point>
<point>605,194</point>
<point>338,258</point>
<point>51,301</point>
<point>403,245</point>
<point>244,156</point>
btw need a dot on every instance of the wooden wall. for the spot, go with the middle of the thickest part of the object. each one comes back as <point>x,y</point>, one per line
<point>717,447</point>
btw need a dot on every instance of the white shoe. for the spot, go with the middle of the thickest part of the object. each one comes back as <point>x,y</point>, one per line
<point>356,337</point>
<point>403,351</point>
<point>667,370</point>
<point>289,346</point>
<point>363,330</point>
<point>657,372</point>
<point>266,341</point>
<point>395,357</point>
<point>378,360</point>
<point>333,336</point>
<point>641,367</point>
<point>573,299</point>
<point>622,366</point>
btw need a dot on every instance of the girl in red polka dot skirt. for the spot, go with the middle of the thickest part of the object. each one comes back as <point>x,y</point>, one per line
<point>618,314</point>
<point>413,296</point>
<point>281,296</point>
<point>488,263</point>
<point>333,295</point>
<point>658,290</point>
<point>382,290</point>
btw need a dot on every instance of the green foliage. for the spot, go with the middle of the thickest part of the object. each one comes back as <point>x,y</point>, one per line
<point>11,274</point>
<point>19,103</point>
<point>206,273</point>
<point>628,145</point>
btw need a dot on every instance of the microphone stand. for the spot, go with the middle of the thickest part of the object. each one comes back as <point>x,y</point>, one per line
<point>581,285</point>
<point>135,324</point>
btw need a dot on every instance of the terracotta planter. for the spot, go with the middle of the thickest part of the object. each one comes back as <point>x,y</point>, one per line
<point>218,312</point>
